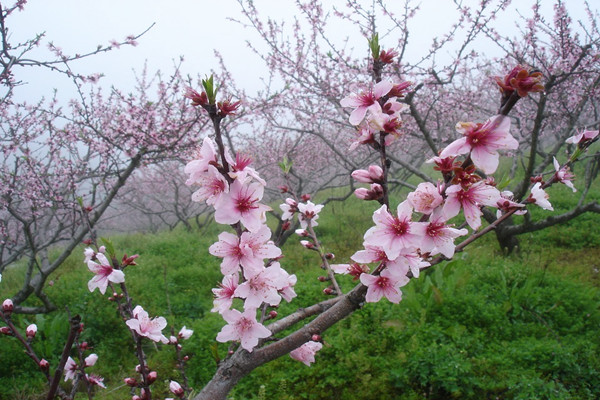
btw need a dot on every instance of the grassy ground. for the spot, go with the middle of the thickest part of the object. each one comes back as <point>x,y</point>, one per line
<point>484,326</point>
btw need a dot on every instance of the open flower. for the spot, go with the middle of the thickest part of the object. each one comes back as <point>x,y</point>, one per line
<point>386,284</point>
<point>306,353</point>
<point>564,175</point>
<point>243,327</point>
<point>540,197</point>
<point>365,99</point>
<point>471,200</point>
<point>241,204</point>
<point>104,273</point>
<point>144,326</point>
<point>483,142</point>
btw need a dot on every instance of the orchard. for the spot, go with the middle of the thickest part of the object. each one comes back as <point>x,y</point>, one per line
<point>436,156</point>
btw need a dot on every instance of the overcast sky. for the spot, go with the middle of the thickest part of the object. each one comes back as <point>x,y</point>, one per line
<point>189,28</point>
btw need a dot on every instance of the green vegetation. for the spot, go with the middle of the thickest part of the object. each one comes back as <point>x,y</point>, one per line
<point>483,326</point>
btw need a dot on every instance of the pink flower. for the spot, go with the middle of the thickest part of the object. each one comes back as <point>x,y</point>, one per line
<point>207,156</point>
<point>540,197</point>
<point>288,292</point>
<point>185,333</point>
<point>224,294</point>
<point>363,100</point>
<point>144,326</point>
<point>104,273</point>
<point>386,284</point>
<point>212,186</point>
<point>471,200</point>
<point>439,237</point>
<point>241,204</point>
<point>564,175</point>
<point>308,212</point>
<point>241,170</point>
<point>249,251</point>
<point>483,141</point>
<point>243,327</point>
<point>263,287</point>
<point>89,254</point>
<point>306,353</point>
<point>90,360</point>
<point>394,233</point>
<point>376,254</point>
<point>289,208</point>
<point>96,380</point>
<point>70,369</point>
<point>425,198</point>
<point>506,203</point>
<point>374,193</point>
<point>583,137</point>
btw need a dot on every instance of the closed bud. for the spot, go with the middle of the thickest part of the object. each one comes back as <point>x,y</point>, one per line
<point>7,306</point>
<point>323,278</point>
<point>330,256</point>
<point>111,298</point>
<point>130,382</point>
<point>307,244</point>
<point>31,331</point>
<point>5,330</point>
<point>176,389</point>
<point>316,338</point>
<point>305,197</point>
<point>285,226</point>
<point>185,358</point>
<point>172,340</point>
<point>283,188</point>
<point>102,249</point>
<point>152,375</point>
<point>87,242</point>
<point>272,314</point>
<point>328,291</point>
<point>44,364</point>
<point>83,345</point>
<point>81,326</point>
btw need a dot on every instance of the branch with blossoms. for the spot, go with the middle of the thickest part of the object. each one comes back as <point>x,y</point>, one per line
<point>396,249</point>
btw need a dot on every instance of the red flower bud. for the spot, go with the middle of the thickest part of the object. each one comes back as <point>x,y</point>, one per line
<point>5,330</point>
<point>44,364</point>
<point>7,306</point>
<point>185,358</point>
<point>328,290</point>
<point>87,241</point>
<point>31,331</point>
<point>272,314</point>
<point>305,197</point>
<point>285,226</point>
<point>329,256</point>
<point>323,278</point>
<point>283,188</point>
<point>130,382</point>
<point>83,345</point>
<point>152,375</point>
<point>316,338</point>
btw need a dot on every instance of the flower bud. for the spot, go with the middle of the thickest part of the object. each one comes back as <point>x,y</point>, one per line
<point>91,360</point>
<point>302,232</point>
<point>81,326</point>
<point>172,340</point>
<point>329,256</point>
<point>316,338</point>
<point>185,358</point>
<point>323,278</point>
<point>305,197</point>
<point>83,345</point>
<point>328,291</point>
<point>102,249</point>
<point>7,306</point>
<point>307,244</point>
<point>176,389</point>
<point>136,397</point>
<point>5,330</point>
<point>44,364</point>
<point>130,382</point>
<point>152,375</point>
<point>272,314</point>
<point>31,331</point>
<point>87,242</point>
<point>283,188</point>
<point>285,226</point>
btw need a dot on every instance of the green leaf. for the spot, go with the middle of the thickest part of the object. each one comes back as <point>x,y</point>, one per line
<point>110,248</point>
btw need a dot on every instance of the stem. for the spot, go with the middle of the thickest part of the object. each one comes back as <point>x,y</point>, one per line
<point>75,323</point>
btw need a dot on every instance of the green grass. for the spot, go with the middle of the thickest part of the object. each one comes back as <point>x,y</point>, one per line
<point>482,326</point>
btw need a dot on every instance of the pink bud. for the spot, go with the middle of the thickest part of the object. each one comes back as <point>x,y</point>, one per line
<point>136,397</point>
<point>176,389</point>
<point>322,278</point>
<point>7,305</point>
<point>5,330</point>
<point>272,314</point>
<point>81,326</point>
<point>316,338</point>
<point>285,226</point>
<point>305,197</point>
<point>328,290</point>
<point>130,382</point>
<point>90,360</point>
<point>102,249</point>
<point>307,244</point>
<point>87,241</point>
<point>44,364</point>
<point>361,175</point>
<point>138,368</point>
<point>152,375</point>
<point>283,188</point>
<point>330,256</point>
<point>172,340</point>
<point>83,345</point>
<point>31,331</point>
<point>185,358</point>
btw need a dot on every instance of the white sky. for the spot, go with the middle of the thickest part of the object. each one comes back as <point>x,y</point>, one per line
<point>189,28</point>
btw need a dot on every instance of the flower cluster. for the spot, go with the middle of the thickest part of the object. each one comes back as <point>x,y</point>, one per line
<point>235,190</point>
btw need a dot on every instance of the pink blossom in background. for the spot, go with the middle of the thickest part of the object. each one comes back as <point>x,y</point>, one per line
<point>241,204</point>
<point>365,99</point>
<point>306,353</point>
<point>426,198</point>
<point>387,285</point>
<point>394,233</point>
<point>104,273</point>
<point>564,175</point>
<point>144,326</point>
<point>224,294</point>
<point>90,360</point>
<point>483,142</point>
<point>242,327</point>
<point>470,200</point>
<point>540,197</point>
